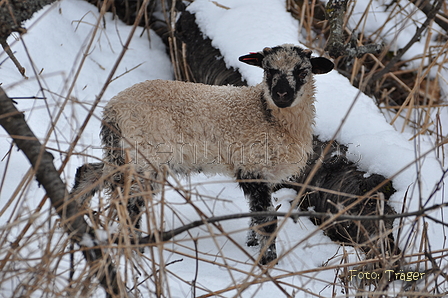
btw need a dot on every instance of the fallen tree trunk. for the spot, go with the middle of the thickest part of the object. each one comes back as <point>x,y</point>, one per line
<point>337,177</point>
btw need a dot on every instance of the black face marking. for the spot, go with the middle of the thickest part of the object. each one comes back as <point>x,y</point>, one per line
<point>282,93</point>
<point>300,75</point>
<point>270,73</point>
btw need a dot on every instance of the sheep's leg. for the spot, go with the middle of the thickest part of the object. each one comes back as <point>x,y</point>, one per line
<point>259,196</point>
<point>86,182</point>
<point>135,208</point>
<point>137,200</point>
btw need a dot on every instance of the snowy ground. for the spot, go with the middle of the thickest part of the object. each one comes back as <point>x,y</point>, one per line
<point>56,45</point>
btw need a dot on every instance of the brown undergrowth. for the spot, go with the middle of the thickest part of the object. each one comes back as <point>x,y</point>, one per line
<point>409,85</point>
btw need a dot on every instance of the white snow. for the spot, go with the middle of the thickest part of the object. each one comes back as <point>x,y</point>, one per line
<point>87,241</point>
<point>56,41</point>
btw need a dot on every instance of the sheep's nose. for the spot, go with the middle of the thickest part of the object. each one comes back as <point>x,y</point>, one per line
<point>281,94</point>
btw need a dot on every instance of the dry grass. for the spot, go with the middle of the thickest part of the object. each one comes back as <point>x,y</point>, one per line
<point>37,255</point>
<point>38,260</point>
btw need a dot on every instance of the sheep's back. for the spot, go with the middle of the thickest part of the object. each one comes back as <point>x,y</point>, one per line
<point>201,112</point>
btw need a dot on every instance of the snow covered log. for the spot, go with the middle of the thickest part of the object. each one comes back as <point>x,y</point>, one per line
<point>347,185</point>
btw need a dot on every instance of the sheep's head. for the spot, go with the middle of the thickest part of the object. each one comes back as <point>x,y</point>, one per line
<point>287,68</point>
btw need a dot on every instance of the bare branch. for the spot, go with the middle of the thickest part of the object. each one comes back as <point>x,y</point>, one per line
<point>42,161</point>
<point>430,16</point>
<point>441,19</point>
<point>16,62</point>
<point>165,236</point>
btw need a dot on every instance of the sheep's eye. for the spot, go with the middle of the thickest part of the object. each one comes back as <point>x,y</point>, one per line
<point>271,72</point>
<point>302,74</point>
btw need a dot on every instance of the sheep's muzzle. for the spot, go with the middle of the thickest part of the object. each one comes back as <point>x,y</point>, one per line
<point>282,93</point>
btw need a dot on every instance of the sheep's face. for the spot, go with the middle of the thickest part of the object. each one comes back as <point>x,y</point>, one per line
<point>287,69</point>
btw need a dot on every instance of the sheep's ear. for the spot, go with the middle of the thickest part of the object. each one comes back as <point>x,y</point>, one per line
<point>321,65</point>
<point>252,59</point>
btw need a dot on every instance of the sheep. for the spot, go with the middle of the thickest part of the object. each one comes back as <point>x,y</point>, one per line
<point>261,133</point>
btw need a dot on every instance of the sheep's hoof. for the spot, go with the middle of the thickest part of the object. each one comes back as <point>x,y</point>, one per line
<point>266,261</point>
<point>252,242</point>
<point>269,255</point>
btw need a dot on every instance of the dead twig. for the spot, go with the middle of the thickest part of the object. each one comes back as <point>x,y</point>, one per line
<point>165,236</point>
<point>8,51</point>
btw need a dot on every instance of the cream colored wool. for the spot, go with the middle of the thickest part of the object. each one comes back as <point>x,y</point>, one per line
<point>213,129</point>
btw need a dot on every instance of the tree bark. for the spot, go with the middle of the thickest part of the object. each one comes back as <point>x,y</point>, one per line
<point>336,45</point>
<point>12,14</point>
